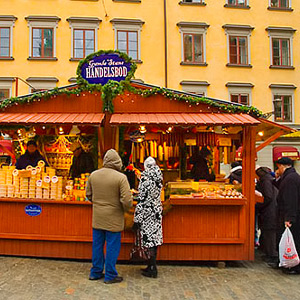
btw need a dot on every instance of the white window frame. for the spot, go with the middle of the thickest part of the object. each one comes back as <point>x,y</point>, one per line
<point>289,6</point>
<point>284,91</point>
<point>186,28</point>
<point>42,22</point>
<point>240,31</point>
<point>280,33</point>
<point>194,87</point>
<point>240,90</point>
<point>128,25</point>
<point>83,23</point>
<point>46,83</point>
<point>9,21</point>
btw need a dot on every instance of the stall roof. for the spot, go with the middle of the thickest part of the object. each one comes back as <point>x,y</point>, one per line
<point>51,118</point>
<point>184,118</point>
<point>285,151</point>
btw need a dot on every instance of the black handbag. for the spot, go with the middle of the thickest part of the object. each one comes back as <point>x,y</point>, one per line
<point>139,253</point>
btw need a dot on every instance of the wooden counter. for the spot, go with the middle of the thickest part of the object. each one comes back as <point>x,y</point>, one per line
<point>194,229</point>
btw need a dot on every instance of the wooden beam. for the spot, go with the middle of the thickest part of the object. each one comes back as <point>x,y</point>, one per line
<point>270,140</point>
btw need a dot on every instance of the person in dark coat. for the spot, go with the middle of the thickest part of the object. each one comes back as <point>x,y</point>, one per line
<point>289,204</point>
<point>200,170</point>
<point>31,157</point>
<point>267,214</point>
<point>82,161</point>
<point>235,175</point>
<point>148,213</point>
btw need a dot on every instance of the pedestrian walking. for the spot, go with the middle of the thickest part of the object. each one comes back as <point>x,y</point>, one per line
<point>267,214</point>
<point>148,213</point>
<point>289,203</point>
<point>109,191</point>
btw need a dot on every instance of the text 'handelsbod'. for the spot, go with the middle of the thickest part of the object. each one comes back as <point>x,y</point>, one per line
<point>99,72</point>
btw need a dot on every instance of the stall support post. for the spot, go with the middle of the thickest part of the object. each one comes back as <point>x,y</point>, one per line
<point>248,178</point>
<point>108,133</point>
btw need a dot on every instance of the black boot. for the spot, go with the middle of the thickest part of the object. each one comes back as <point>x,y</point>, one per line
<point>151,270</point>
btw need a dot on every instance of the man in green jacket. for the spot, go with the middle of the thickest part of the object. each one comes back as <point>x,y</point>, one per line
<point>109,191</point>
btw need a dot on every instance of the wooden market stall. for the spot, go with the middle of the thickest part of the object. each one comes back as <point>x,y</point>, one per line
<point>201,224</point>
<point>194,229</point>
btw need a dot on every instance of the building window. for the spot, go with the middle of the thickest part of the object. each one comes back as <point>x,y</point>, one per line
<point>42,37</point>
<point>83,36</point>
<point>84,42</point>
<point>238,44</point>
<point>282,108</point>
<point>237,2</point>
<point>42,42</point>
<point>193,43</point>
<point>283,102</point>
<point>281,52</point>
<point>240,98</point>
<point>281,47</point>
<point>127,42</point>
<point>240,92</point>
<point>193,1</point>
<point>195,87</point>
<point>4,94</point>
<point>238,50</point>
<point>128,36</point>
<point>39,84</point>
<point>280,3</point>
<point>6,30</point>
<point>193,47</point>
<point>4,42</point>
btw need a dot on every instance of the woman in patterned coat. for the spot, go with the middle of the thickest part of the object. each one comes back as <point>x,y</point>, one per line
<point>148,213</point>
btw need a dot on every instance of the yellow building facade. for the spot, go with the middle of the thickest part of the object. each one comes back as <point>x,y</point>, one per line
<point>238,50</point>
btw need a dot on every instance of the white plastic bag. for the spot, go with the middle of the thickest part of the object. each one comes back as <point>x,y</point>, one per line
<point>288,255</point>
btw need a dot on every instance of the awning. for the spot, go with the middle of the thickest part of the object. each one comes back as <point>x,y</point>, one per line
<point>285,151</point>
<point>51,118</point>
<point>184,118</point>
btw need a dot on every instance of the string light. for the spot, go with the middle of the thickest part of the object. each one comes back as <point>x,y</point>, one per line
<point>143,129</point>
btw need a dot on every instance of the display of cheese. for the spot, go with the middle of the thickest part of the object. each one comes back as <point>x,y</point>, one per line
<point>33,183</point>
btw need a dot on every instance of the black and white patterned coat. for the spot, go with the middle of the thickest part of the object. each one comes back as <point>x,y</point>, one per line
<point>148,212</point>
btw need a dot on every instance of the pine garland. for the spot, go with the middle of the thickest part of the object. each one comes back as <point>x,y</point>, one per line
<point>111,89</point>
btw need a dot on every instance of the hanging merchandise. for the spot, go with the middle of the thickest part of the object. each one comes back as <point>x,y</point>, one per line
<point>142,153</point>
<point>166,151</point>
<point>225,155</point>
<point>160,153</point>
<point>206,139</point>
<point>155,149</point>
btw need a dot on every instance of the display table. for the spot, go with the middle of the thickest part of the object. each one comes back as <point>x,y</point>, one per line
<point>194,229</point>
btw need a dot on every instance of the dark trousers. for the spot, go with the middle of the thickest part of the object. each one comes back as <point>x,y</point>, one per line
<point>113,245</point>
<point>152,260</point>
<point>267,241</point>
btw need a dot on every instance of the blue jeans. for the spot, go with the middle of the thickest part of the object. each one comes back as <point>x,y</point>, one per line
<point>113,245</point>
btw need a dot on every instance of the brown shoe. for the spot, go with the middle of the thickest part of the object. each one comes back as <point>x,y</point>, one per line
<point>117,279</point>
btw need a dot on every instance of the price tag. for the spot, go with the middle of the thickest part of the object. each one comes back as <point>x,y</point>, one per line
<point>15,172</point>
<point>41,164</point>
<point>38,169</point>
<point>54,179</point>
<point>39,183</point>
<point>33,171</point>
<point>29,168</point>
<point>47,179</point>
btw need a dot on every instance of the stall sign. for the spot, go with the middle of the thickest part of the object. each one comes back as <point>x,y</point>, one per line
<point>33,210</point>
<point>100,69</point>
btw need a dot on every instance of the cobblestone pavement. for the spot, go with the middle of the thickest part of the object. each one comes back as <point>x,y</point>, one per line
<point>31,278</point>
